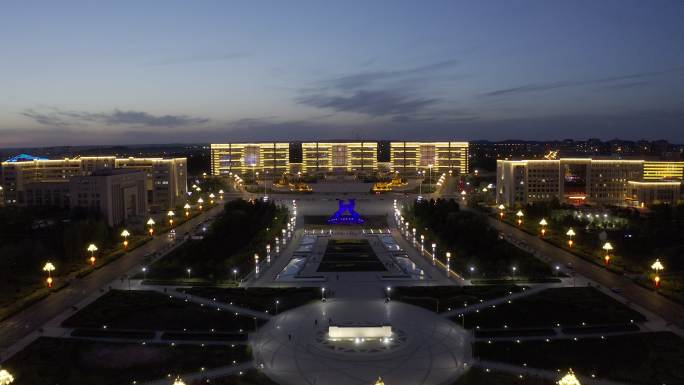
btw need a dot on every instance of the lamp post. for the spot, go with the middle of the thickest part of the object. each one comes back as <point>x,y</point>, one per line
<point>463,195</point>
<point>514,269</point>
<point>268,254</point>
<point>414,236</point>
<point>276,303</point>
<point>570,234</point>
<point>502,208</point>
<point>92,249</point>
<point>187,209</point>
<point>235,271</point>
<point>5,377</point>
<point>543,224</point>
<point>434,250</point>
<point>144,271</point>
<point>178,381</point>
<point>256,264</point>
<point>199,203</point>
<point>520,216</point>
<point>170,214</point>
<point>323,294</point>
<point>448,262</point>
<point>211,198</point>
<point>125,234</point>
<point>188,270</point>
<point>151,223</point>
<point>608,248</point>
<point>657,267</point>
<point>49,268</point>
<point>422,244</point>
<point>221,194</point>
<point>389,290</point>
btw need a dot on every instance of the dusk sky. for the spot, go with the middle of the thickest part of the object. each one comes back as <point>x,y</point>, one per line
<point>90,72</point>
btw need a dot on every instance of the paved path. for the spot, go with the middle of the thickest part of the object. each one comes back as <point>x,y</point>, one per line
<point>19,330</point>
<point>496,301</point>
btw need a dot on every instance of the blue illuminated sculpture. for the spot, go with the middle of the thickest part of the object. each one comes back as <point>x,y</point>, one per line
<point>346,215</point>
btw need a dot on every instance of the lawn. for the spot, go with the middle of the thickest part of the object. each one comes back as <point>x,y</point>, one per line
<point>568,306</point>
<point>349,255</point>
<point>77,362</point>
<point>479,376</point>
<point>261,298</point>
<point>249,377</point>
<point>450,297</point>
<point>148,310</point>
<point>645,358</point>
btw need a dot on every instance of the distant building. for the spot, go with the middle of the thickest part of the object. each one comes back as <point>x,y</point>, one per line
<point>586,180</point>
<point>35,181</point>
<point>360,157</point>
<point>117,194</point>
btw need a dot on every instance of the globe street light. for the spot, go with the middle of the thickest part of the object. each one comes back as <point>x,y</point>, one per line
<point>570,234</point>
<point>151,223</point>
<point>502,208</point>
<point>170,214</point>
<point>92,249</point>
<point>125,234</point>
<point>608,248</point>
<point>657,267</point>
<point>49,267</point>
<point>520,216</point>
<point>543,224</point>
<point>211,198</point>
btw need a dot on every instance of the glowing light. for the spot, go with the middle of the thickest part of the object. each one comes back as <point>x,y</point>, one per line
<point>569,379</point>
<point>5,377</point>
<point>178,381</point>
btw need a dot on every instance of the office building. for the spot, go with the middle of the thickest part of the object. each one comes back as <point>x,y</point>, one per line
<point>585,181</point>
<point>29,180</point>
<point>249,158</point>
<point>443,157</point>
<point>339,157</point>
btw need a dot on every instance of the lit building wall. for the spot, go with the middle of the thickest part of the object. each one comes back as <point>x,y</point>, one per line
<point>642,194</point>
<point>323,157</point>
<point>247,158</point>
<point>656,170</point>
<point>410,157</point>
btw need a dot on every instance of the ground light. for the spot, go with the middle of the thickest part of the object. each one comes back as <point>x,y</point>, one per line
<point>92,249</point>
<point>125,234</point>
<point>569,379</point>
<point>5,377</point>
<point>49,267</point>
<point>657,267</point>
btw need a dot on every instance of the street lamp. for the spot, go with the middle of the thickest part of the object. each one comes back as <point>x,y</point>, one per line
<point>144,271</point>
<point>323,294</point>
<point>543,224</point>
<point>569,379</point>
<point>389,290</point>
<point>256,263</point>
<point>49,267</point>
<point>211,198</point>
<point>514,269</point>
<point>199,202</point>
<point>5,377</point>
<point>502,208</point>
<point>276,303</point>
<point>657,267</point>
<point>170,214</point>
<point>92,249</point>
<point>422,244</point>
<point>178,381</point>
<point>570,234</point>
<point>434,248</point>
<point>125,234</point>
<point>414,236</point>
<point>268,254</point>
<point>221,194</point>
<point>520,216</point>
<point>235,271</point>
<point>608,248</point>
<point>187,210</point>
<point>448,262</point>
<point>188,270</point>
<point>151,223</point>
<point>463,195</point>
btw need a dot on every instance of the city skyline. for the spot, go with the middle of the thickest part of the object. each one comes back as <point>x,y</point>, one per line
<point>185,73</point>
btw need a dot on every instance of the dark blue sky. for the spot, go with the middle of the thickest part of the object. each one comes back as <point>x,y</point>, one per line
<point>84,72</point>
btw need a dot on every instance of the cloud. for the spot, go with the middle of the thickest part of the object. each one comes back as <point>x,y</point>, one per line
<point>61,118</point>
<point>197,58</point>
<point>576,83</point>
<point>373,103</point>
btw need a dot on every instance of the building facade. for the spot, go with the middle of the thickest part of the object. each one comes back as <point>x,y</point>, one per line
<point>36,181</point>
<point>117,194</point>
<point>580,180</point>
<point>361,157</point>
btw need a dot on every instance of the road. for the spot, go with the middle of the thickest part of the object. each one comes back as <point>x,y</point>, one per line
<point>31,319</point>
<point>670,311</point>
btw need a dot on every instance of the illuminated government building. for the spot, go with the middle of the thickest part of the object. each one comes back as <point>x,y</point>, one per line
<point>119,188</point>
<point>619,182</point>
<point>361,157</point>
